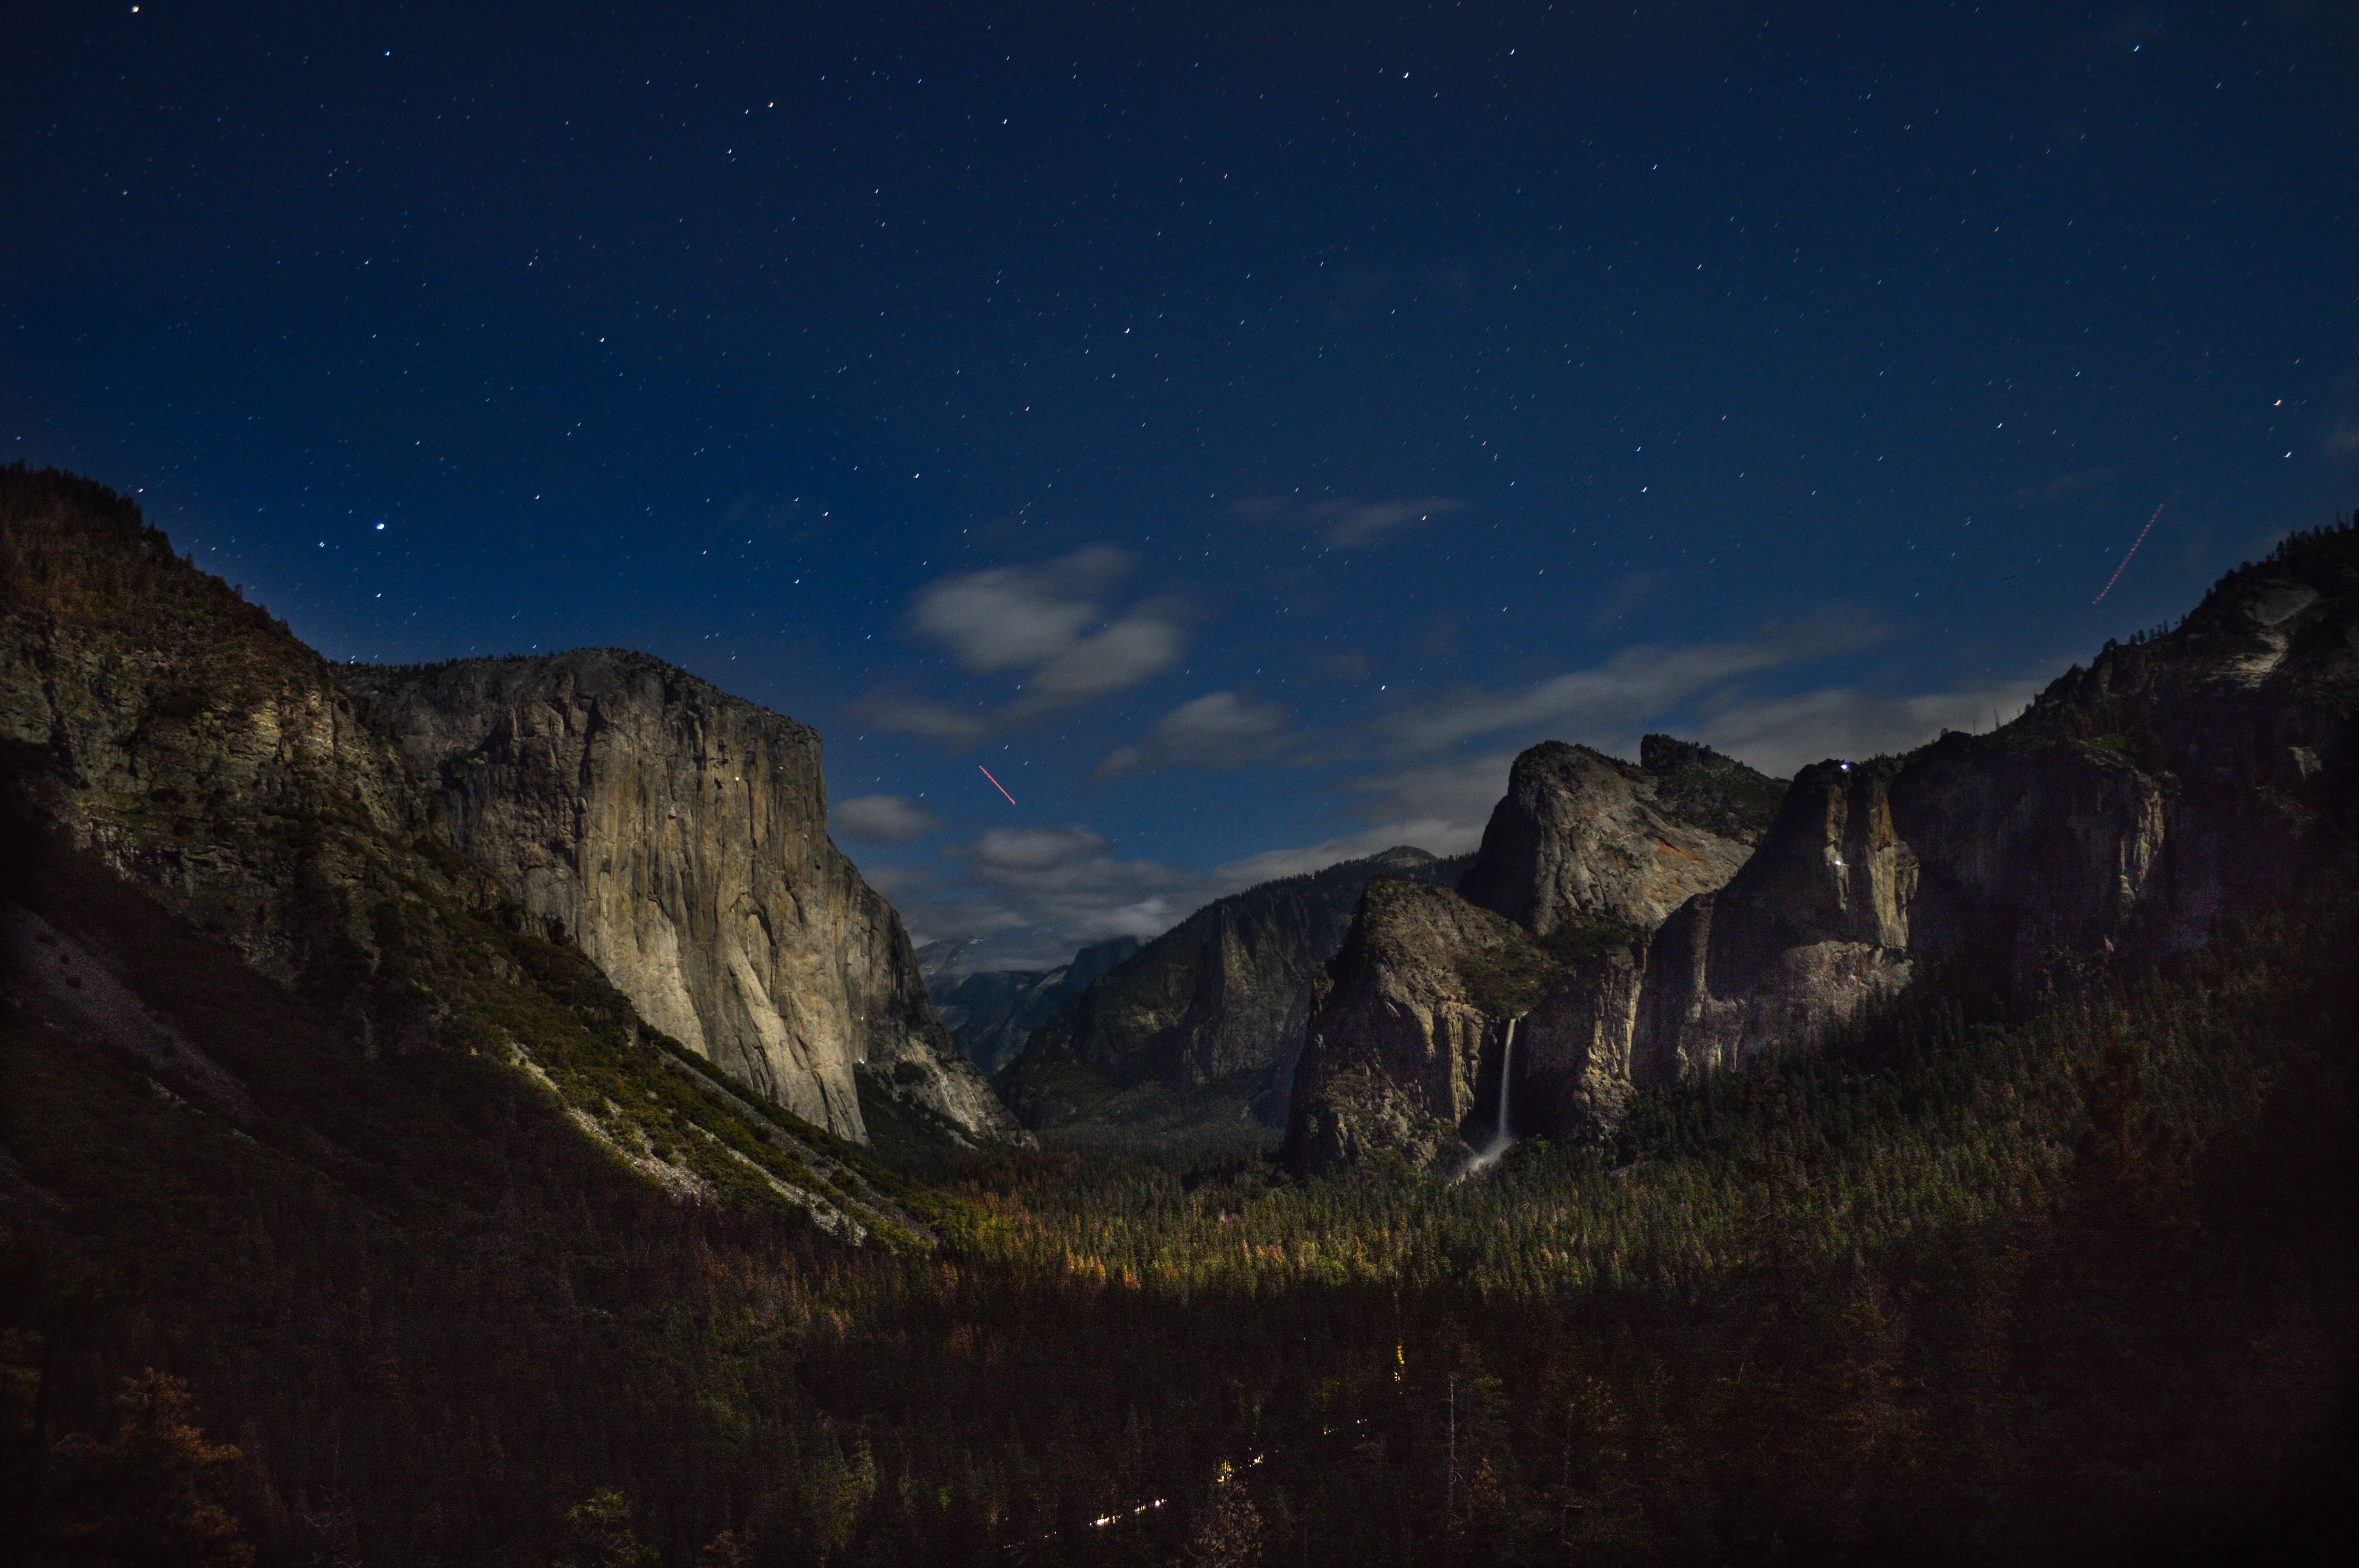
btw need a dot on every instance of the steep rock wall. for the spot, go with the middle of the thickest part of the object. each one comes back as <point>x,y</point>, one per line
<point>150,715</point>
<point>679,836</point>
<point>1209,1015</point>
<point>1582,838</point>
<point>1407,1017</point>
<point>2181,780</point>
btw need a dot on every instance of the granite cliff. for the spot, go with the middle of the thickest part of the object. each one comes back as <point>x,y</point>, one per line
<point>2188,778</point>
<point>1201,1026</point>
<point>154,719</point>
<point>677,837</point>
<point>151,718</point>
<point>1582,838</point>
<point>991,1012</point>
<point>1526,977</point>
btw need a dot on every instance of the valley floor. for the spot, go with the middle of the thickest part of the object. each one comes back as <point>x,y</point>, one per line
<point>1963,1289</point>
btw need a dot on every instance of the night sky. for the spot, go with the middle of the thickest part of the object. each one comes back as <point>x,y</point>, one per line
<point>1241,428</point>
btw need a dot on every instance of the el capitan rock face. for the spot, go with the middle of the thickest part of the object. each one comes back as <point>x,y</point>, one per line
<point>678,836</point>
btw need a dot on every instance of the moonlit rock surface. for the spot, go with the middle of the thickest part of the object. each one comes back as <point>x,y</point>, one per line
<point>677,835</point>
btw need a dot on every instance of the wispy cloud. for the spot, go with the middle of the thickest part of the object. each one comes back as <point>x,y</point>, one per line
<point>1047,624</point>
<point>2343,441</point>
<point>1034,894</point>
<point>1787,733</point>
<point>1613,698</point>
<point>880,819</point>
<point>1219,730</point>
<point>1346,522</point>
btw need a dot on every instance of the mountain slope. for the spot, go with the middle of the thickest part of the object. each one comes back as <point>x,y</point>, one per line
<point>1582,838</point>
<point>991,1012</point>
<point>1200,1026</point>
<point>2187,780</point>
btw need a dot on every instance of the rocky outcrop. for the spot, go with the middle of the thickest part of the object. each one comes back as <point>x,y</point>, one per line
<point>1583,857</point>
<point>991,1012</point>
<point>678,836</point>
<point>150,715</point>
<point>2187,777</point>
<point>1582,838</point>
<point>1202,1024</point>
<point>1408,1018</point>
<point>2184,779</point>
<point>1430,1010</point>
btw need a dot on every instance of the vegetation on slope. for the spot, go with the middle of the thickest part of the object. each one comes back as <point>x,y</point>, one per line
<point>1964,1288</point>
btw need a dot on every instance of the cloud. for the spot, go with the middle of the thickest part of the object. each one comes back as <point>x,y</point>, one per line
<point>2343,441</point>
<point>880,819</point>
<point>1219,730</point>
<point>905,715</point>
<point>1045,621</point>
<point>1787,733</point>
<point>1020,851</point>
<point>1346,522</point>
<point>1034,894</point>
<point>1615,696</point>
<point>2062,487</point>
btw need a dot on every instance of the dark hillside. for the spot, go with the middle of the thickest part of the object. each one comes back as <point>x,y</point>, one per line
<point>1200,1028</point>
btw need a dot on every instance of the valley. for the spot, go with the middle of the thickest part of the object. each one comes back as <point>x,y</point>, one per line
<point>525,1137</point>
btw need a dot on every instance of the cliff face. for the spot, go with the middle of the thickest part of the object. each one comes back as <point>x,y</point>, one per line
<point>1583,860</point>
<point>150,715</point>
<point>1409,1018</point>
<point>676,835</point>
<point>1582,838</point>
<point>991,1012</point>
<point>1432,1007</point>
<point>1205,1021</point>
<point>2180,780</point>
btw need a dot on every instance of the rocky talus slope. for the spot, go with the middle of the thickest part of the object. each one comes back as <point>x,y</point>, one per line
<point>678,836</point>
<point>991,1012</point>
<point>1201,1027</point>
<point>1408,1045</point>
<point>2187,778</point>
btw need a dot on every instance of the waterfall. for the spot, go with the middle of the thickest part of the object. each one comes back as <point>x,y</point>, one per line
<point>1500,1139</point>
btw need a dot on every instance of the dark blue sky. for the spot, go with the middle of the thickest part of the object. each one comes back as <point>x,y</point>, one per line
<point>1241,428</point>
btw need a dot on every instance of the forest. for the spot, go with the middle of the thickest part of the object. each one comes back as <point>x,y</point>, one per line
<point>447,1258</point>
<point>1965,1286</point>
